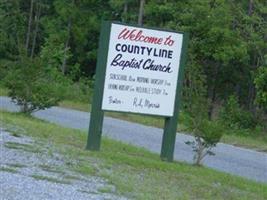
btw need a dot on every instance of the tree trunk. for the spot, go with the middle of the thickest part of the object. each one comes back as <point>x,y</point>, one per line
<point>238,91</point>
<point>29,27</point>
<point>141,12</point>
<point>125,11</point>
<point>250,7</point>
<point>212,91</point>
<point>252,91</point>
<point>37,17</point>
<point>200,151</point>
<point>64,63</point>
<point>212,97</point>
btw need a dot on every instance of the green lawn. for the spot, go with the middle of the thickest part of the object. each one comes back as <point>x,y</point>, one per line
<point>136,173</point>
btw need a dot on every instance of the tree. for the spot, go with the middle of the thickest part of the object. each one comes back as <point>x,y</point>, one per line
<point>206,134</point>
<point>36,29</point>
<point>261,86</point>
<point>29,26</point>
<point>141,12</point>
<point>31,86</point>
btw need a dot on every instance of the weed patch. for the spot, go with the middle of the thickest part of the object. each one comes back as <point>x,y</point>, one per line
<point>17,165</point>
<point>50,179</point>
<point>8,169</point>
<point>23,147</point>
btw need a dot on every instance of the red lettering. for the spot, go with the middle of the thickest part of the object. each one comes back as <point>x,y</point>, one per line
<point>160,41</point>
<point>142,37</point>
<point>133,35</point>
<point>139,34</point>
<point>123,33</point>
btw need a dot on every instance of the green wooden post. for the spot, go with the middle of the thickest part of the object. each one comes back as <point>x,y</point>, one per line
<point>97,115</point>
<point>169,135</point>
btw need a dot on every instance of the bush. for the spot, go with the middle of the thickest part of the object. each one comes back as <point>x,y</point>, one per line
<point>32,86</point>
<point>77,91</point>
<point>261,86</point>
<point>233,116</point>
<point>207,135</point>
<point>3,69</point>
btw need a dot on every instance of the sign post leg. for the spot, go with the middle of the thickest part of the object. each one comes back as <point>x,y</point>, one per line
<point>169,134</point>
<point>95,129</point>
<point>168,139</point>
<point>97,115</point>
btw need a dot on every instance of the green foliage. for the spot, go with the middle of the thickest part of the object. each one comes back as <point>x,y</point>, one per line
<point>4,68</point>
<point>207,134</point>
<point>31,86</point>
<point>12,29</point>
<point>261,86</point>
<point>194,88</point>
<point>233,116</point>
<point>52,53</point>
<point>80,91</point>
<point>210,132</point>
<point>124,10</point>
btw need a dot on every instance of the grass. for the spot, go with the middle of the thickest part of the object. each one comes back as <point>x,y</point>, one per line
<point>16,135</point>
<point>75,105</point>
<point>17,165</point>
<point>23,147</point>
<point>258,142</point>
<point>84,169</point>
<point>52,169</point>
<point>106,189</point>
<point>72,178</point>
<point>8,169</point>
<point>135,172</point>
<point>50,179</point>
<point>87,192</point>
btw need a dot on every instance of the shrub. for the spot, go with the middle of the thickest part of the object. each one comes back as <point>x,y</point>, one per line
<point>3,69</point>
<point>207,135</point>
<point>233,116</point>
<point>261,86</point>
<point>32,86</point>
<point>77,91</point>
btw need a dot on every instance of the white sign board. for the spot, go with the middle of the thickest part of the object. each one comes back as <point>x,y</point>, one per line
<point>142,70</point>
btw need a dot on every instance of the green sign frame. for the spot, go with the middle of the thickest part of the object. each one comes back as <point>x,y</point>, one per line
<point>97,114</point>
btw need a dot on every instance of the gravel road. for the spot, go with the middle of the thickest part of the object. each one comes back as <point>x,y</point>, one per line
<point>228,158</point>
<point>28,170</point>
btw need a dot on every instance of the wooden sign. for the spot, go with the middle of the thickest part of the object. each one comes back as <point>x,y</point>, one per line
<point>142,70</point>
<point>139,70</point>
